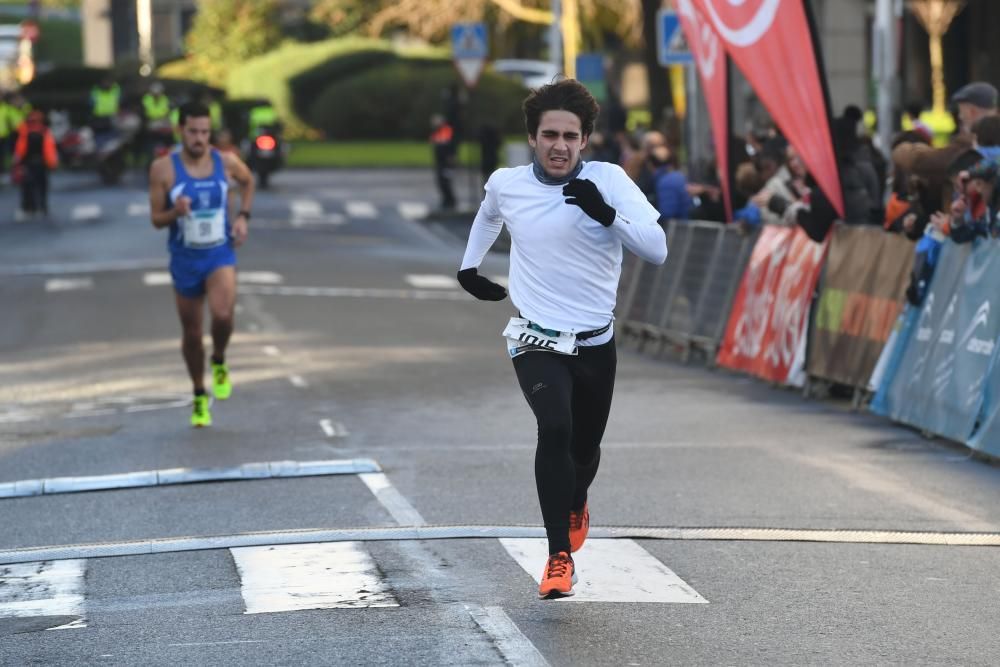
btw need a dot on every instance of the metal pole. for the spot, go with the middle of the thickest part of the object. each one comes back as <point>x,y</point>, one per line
<point>555,35</point>
<point>885,70</point>
<point>144,25</point>
<point>692,120</point>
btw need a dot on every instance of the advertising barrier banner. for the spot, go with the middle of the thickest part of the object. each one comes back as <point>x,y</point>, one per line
<point>771,310</point>
<point>861,295</point>
<point>942,379</point>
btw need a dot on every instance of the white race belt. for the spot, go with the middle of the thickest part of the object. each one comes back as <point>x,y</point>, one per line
<point>204,228</point>
<point>525,336</point>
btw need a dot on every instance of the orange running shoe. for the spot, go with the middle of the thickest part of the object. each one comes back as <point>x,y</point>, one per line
<point>579,526</point>
<point>559,576</point>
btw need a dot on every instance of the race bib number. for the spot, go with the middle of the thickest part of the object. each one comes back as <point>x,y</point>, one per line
<point>205,228</point>
<point>525,336</point>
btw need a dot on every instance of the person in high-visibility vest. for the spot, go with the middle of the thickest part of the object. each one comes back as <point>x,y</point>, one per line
<point>214,111</point>
<point>262,116</point>
<point>35,155</point>
<point>105,100</point>
<point>6,130</point>
<point>443,145</point>
<point>156,117</point>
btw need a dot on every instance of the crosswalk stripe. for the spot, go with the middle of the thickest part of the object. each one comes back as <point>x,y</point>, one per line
<point>360,209</point>
<point>159,278</point>
<point>413,210</point>
<point>609,571</point>
<point>68,284</point>
<point>156,278</point>
<point>46,588</point>
<point>310,576</point>
<point>137,209</point>
<point>85,212</point>
<point>306,208</point>
<point>431,281</point>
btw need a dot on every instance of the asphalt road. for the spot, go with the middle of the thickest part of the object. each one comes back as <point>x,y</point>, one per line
<point>352,342</point>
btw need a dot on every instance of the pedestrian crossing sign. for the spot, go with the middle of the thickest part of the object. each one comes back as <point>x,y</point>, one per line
<point>469,47</point>
<point>672,47</point>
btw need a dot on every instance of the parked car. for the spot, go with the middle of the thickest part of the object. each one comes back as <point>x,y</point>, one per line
<point>529,73</point>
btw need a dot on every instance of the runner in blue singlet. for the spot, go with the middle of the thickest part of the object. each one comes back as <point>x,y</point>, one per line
<point>189,195</point>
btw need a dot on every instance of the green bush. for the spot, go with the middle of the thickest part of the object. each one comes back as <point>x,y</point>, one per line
<point>396,101</point>
<point>269,75</point>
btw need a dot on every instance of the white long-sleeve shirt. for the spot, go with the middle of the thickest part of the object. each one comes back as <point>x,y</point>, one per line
<point>564,265</point>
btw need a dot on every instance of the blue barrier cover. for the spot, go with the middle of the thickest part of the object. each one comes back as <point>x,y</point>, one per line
<point>941,379</point>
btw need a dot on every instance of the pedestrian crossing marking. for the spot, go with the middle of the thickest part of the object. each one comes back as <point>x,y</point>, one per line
<point>46,588</point>
<point>413,210</point>
<point>609,571</point>
<point>431,281</point>
<point>160,278</point>
<point>82,212</point>
<point>306,208</point>
<point>138,209</point>
<point>360,209</point>
<point>335,575</point>
<point>68,284</point>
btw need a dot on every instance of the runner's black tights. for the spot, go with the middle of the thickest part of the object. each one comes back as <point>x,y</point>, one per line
<point>571,399</point>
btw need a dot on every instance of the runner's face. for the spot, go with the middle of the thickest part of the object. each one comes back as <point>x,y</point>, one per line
<point>195,135</point>
<point>558,142</point>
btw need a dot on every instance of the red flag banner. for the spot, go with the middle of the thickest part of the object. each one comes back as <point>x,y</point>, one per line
<point>772,44</point>
<point>770,315</point>
<point>710,58</point>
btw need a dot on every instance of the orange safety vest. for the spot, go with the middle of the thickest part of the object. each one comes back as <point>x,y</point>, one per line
<point>49,153</point>
<point>442,135</point>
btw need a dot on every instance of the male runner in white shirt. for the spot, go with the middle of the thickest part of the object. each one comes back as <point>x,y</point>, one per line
<point>568,220</point>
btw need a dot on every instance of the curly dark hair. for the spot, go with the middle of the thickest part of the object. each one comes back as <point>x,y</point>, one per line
<point>566,95</point>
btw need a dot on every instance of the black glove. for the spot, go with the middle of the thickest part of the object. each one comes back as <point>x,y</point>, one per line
<point>480,287</point>
<point>584,193</point>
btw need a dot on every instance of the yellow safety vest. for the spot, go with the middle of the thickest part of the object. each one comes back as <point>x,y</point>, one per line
<point>156,107</point>
<point>215,112</point>
<point>106,101</point>
<point>261,117</point>
<point>5,118</point>
<point>942,126</point>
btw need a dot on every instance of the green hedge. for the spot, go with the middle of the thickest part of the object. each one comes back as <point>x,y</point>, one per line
<point>397,100</point>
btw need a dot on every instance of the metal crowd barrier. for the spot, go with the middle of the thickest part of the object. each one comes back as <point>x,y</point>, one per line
<point>685,302</point>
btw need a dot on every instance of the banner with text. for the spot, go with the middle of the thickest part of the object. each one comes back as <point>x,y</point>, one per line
<point>771,311</point>
<point>772,43</point>
<point>941,383</point>
<point>861,295</point>
<point>712,63</point>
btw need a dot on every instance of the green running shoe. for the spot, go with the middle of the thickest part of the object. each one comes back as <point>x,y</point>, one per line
<point>200,415</point>
<point>222,388</point>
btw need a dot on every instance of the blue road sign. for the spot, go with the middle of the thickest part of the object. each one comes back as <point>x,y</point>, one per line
<point>671,46</point>
<point>468,41</point>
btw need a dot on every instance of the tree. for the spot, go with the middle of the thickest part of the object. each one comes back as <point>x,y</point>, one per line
<point>227,32</point>
<point>432,19</point>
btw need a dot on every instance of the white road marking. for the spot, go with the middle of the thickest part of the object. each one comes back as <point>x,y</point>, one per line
<point>68,284</point>
<point>355,292</point>
<point>360,209</point>
<point>81,267</point>
<point>171,476</point>
<point>46,588</point>
<point>500,280</point>
<point>431,281</point>
<point>609,571</point>
<point>333,429</point>
<point>413,210</point>
<point>298,381</point>
<point>399,507</point>
<point>156,278</point>
<point>137,210</point>
<point>85,212</point>
<point>260,277</point>
<point>310,576</point>
<point>306,209</point>
<point>507,637</point>
<point>271,350</point>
